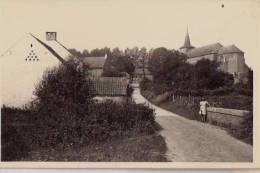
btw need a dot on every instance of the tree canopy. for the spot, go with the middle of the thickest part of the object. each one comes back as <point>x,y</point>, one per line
<point>165,65</point>
<point>116,66</point>
<point>170,70</point>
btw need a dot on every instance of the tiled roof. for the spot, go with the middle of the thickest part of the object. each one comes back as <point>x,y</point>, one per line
<point>204,50</point>
<point>95,62</point>
<point>229,49</point>
<point>109,86</point>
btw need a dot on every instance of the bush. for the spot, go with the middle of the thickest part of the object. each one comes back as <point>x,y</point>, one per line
<point>245,132</point>
<point>65,113</point>
<point>62,103</point>
<point>110,119</point>
<point>15,142</point>
<point>145,84</point>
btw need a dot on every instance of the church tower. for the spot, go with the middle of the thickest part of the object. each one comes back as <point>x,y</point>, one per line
<point>187,46</point>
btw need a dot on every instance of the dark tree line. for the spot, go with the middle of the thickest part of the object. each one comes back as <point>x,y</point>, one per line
<point>171,70</point>
<point>119,61</point>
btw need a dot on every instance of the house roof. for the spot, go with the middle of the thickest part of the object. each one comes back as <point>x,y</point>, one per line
<point>109,86</point>
<point>229,49</point>
<point>95,62</point>
<point>55,48</point>
<point>59,48</point>
<point>204,50</point>
<point>57,55</point>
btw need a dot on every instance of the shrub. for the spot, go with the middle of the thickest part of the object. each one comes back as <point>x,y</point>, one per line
<point>245,132</point>
<point>15,142</point>
<point>63,99</point>
<point>110,119</point>
<point>145,84</point>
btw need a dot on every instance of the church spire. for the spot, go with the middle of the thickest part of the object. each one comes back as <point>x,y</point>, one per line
<point>187,40</point>
<point>187,46</point>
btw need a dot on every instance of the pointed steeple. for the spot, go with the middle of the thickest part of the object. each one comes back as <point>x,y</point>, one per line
<point>187,46</point>
<point>187,40</point>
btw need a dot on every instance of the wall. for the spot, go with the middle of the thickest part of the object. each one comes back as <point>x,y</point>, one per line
<point>226,117</point>
<point>118,99</point>
<point>20,76</point>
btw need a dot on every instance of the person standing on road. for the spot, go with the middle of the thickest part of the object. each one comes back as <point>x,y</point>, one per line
<point>203,110</point>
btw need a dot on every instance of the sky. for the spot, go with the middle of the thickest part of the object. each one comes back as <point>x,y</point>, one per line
<point>88,24</point>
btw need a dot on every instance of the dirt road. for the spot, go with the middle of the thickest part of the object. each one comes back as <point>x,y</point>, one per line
<point>193,141</point>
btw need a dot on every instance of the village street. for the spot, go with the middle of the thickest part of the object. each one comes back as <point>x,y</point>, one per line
<point>191,141</point>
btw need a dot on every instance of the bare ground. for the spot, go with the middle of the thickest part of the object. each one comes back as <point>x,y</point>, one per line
<point>192,141</point>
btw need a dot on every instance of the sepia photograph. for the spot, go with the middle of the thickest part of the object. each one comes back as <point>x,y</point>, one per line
<point>143,81</point>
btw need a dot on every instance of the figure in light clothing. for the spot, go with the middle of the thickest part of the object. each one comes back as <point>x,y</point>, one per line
<point>203,110</point>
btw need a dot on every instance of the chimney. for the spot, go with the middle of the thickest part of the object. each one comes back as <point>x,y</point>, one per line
<point>51,36</point>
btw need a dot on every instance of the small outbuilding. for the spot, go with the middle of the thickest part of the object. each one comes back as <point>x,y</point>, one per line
<point>110,88</point>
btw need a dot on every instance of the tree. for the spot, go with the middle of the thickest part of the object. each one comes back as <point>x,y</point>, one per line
<point>143,59</point>
<point>208,76</point>
<point>75,52</point>
<point>116,52</point>
<point>250,79</point>
<point>115,66</point>
<point>85,53</point>
<point>63,98</point>
<point>164,65</point>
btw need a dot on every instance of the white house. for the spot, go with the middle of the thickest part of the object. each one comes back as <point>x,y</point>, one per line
<point>23,65</point>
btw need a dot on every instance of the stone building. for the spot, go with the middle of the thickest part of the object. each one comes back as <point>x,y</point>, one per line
<point>231,58</point>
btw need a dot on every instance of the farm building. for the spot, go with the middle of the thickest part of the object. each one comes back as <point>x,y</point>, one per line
<point>23,65</point>
<point>110,88</point>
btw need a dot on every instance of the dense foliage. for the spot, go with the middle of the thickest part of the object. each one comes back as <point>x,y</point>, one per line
<point>207,75</point>
<point>165,66</point>
<point>64,114</point>
<point>62,102</point>
<point>171,72</point>
<point>15,133</point>
<point>117,66</point>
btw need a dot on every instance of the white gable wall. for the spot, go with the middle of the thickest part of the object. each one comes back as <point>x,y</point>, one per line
<point>18,76</point>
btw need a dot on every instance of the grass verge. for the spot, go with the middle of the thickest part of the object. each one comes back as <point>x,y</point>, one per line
<point>137,148</point>
<point>243,133</point>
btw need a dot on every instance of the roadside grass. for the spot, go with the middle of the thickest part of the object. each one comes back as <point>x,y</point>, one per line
<point>243,133</point>
<point>137,148</point>
<point>142,143</point>
<point>189,112</point>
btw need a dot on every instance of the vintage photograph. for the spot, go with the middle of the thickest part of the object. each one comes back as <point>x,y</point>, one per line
<point>127,81</point>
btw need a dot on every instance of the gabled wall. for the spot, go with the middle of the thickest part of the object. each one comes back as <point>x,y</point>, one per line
<point>22,68</point>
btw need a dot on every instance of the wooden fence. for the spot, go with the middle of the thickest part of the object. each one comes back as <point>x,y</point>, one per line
<point>192,100</point>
